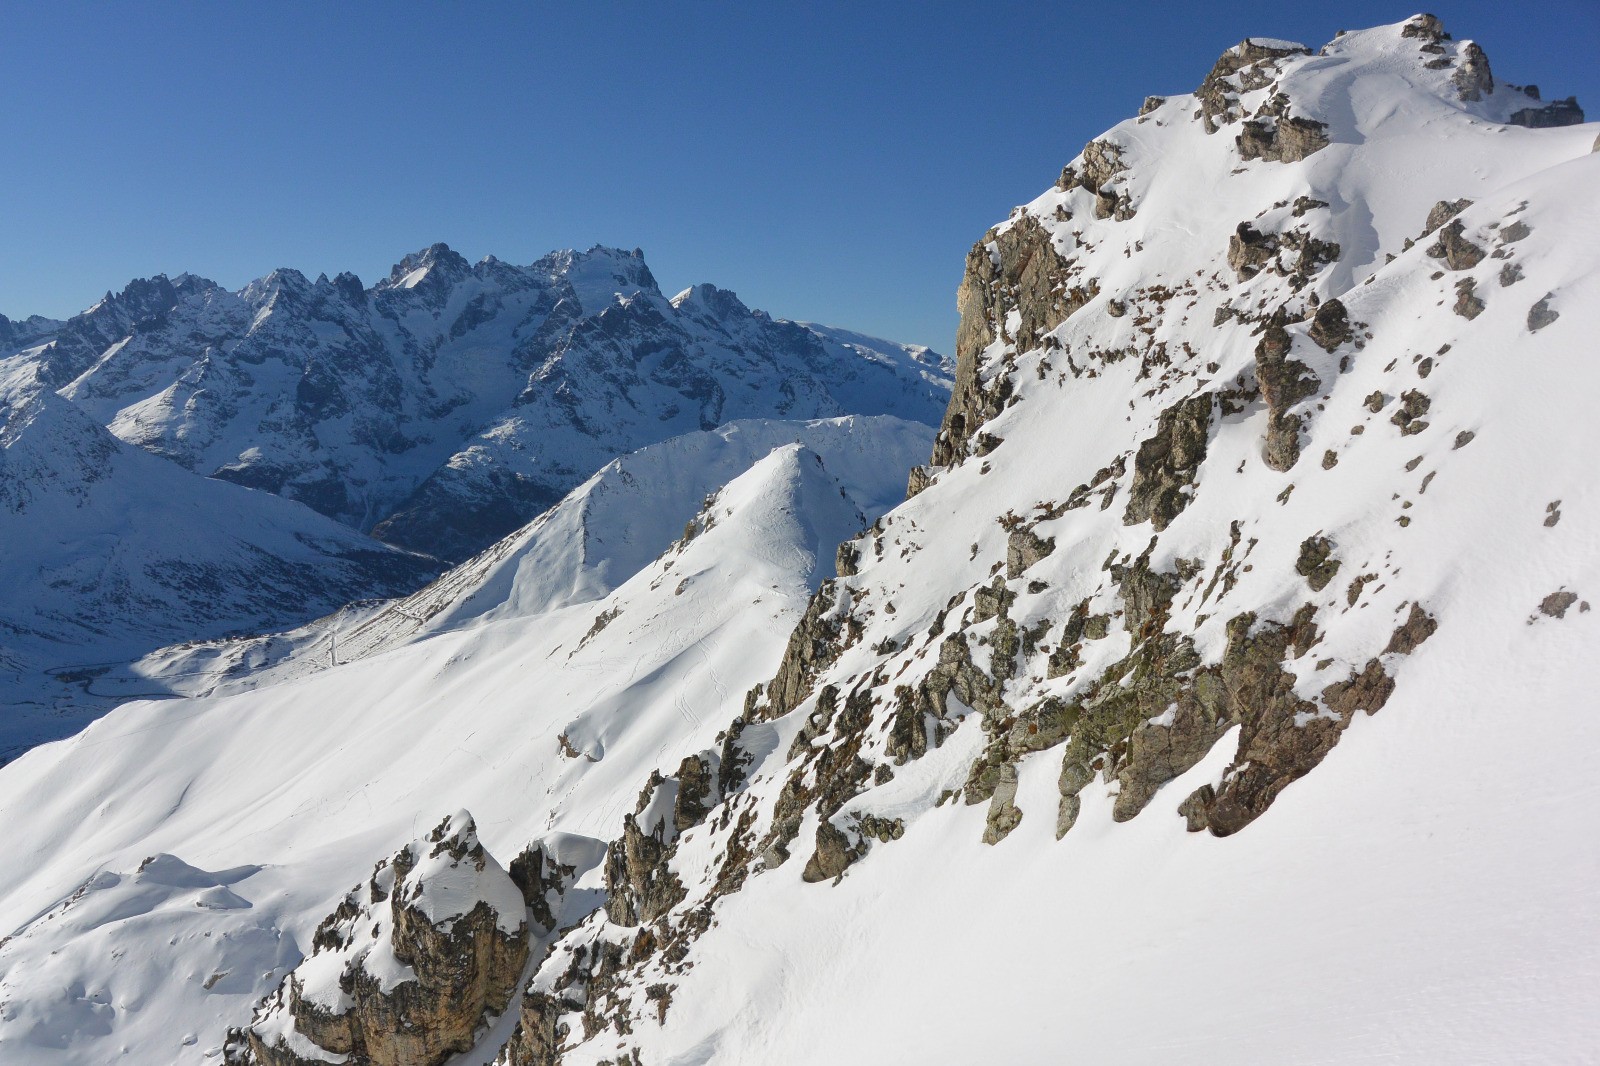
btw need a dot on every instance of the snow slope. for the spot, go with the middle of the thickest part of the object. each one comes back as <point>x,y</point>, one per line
<point>602,533</point>
<point>1257,510</point>
<point>473,712</point>
<point>107,553</point>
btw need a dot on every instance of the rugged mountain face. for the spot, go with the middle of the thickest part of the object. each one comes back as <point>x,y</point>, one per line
<point>107,553</point>
<point>450,403</point>
<point>1222,691</point>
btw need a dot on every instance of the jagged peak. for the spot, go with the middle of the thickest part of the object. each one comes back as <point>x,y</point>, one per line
<point>709,299</point>
<point>436,259</point>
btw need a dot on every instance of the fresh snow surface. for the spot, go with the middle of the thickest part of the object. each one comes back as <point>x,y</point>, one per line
<point>320,778</point>
<point>1426,894</point>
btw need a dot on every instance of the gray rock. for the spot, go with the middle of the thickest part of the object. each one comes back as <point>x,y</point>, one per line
<point>1542,314</point>
<point>1555,113</point>
<point>1165,465</point>
<point>1472,78</point>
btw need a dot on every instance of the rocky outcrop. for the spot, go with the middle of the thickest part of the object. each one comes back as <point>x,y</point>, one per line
<point>405,969</point>
<point>1284,140</point>
<point>1453,247</point>
<point>640,885</point>
<point>1284,382</point>
<point>1472,78</point>
<point>1165,465</point>
<point>812,646</point>
<point>1292,254</point>
<point>1247,66</point>
<point>1015,269</point>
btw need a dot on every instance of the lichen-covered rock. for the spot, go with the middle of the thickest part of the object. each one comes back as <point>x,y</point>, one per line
<point>1316,562</point>
<point>1165,465</point>
<point>405,969</point>
<point>1284,383</point>
<point>1024,547</point>
<point>1282,736</point>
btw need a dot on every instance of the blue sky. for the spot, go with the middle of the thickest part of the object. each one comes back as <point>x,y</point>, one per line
<point>826,161</point>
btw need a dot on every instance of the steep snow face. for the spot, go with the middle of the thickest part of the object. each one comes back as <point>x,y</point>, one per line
<point>107,553</point>
<point>1259,510</point>
<point>544,725</point>
<point>450,403</point>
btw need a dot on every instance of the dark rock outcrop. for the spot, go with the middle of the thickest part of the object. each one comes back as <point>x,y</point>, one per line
<point>413,973</point>
<point>1284,382</point>
<point>1165,465</point>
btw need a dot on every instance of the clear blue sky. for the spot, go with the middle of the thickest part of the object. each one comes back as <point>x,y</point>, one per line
<point>827,161</point>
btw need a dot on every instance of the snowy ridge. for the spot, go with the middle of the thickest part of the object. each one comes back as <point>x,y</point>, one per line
<point>602,533</point>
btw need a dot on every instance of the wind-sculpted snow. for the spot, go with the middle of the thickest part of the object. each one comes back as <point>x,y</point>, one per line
<point>1222,692</point>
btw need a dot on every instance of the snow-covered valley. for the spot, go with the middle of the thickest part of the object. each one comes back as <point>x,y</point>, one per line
<point>1220,688</point>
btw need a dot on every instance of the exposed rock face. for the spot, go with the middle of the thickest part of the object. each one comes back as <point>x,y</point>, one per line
<point>640,886</point>
<point>1284,382</point>
<point>1016,269</point>
<point>1287,140</point>
<point>1164,467</point>
<point>1247,66</point>
<point>406,967</point>
<point>1472,78</point>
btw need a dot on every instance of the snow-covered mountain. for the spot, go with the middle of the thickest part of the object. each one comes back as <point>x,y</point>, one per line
<point>107,553</point>
<point>1223,691</point>
<point>451,402</point>
<point>441,409</point>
